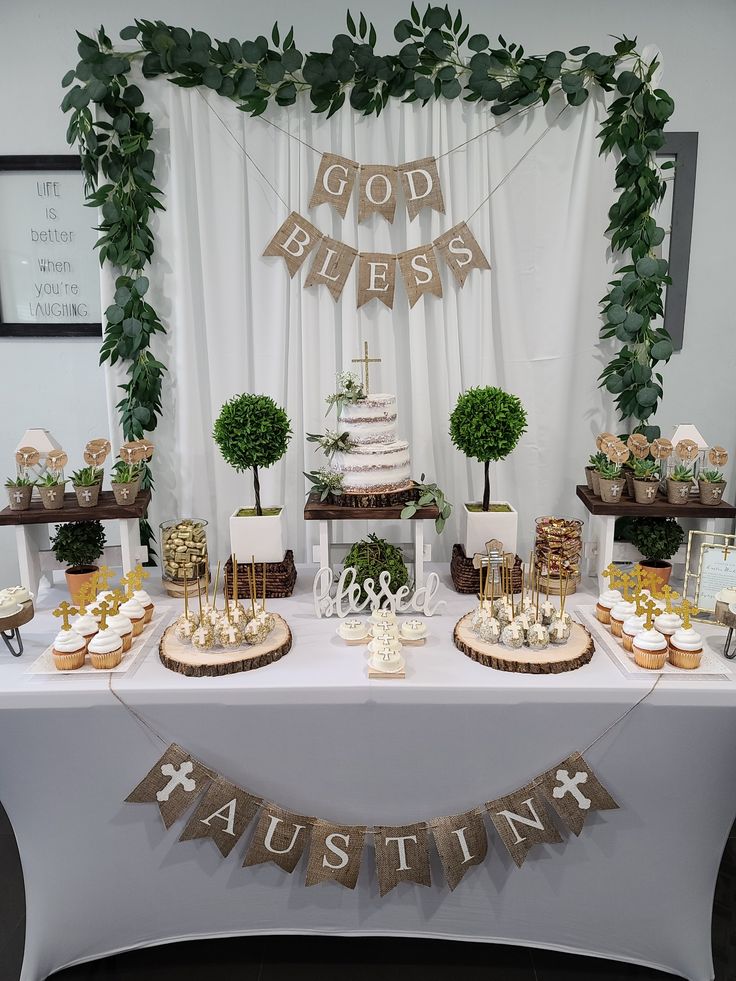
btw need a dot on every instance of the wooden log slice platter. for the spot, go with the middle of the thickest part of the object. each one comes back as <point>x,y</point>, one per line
<point>15,620</point>
<point>185,659</point>
<point>553,660</point>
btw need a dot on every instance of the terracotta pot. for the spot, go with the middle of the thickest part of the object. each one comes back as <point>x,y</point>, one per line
<point>19,498</point>
<point>711,494</point>
<point>596,481</point>
<point>77,576</point>
<point>628,475</point>
<point>646,491</point>
<point>589,477</point>
<point>125,493</point>
<point>662,570</point>
<point>87,496</point>
<point>611,490</point>
<point>52,497</point>
<point>678,491</point>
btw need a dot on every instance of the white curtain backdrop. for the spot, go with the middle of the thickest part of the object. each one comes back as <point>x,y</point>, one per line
<point>237,323</point>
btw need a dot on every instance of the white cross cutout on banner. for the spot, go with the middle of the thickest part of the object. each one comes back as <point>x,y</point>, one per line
<point>569,785</point>
<point>179,777</point>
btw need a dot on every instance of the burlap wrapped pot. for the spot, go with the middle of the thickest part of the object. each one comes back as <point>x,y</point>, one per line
<point>611,490</point>
<point>87,496</point>
<point>596,481</point>
<point>19,498</point>
<point>125,493</point>
<point>52,497</point>
<point>711,493</point>
<point>646,491</point>
<point>678,491</point>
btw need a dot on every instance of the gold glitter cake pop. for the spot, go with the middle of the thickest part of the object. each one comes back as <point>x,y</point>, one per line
<point>185,626</point>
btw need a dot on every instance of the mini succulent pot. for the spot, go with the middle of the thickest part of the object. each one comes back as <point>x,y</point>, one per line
<point>52,496</point>
<point>125,493</point>
<point>19,496</point>
<point>628,475</point>
<point>678,491</point>
<point>711,493</point>
<point>87,494</point>
<point>645,491</point>
<point>589,477</point>
<point>611,489</point>
<point>595,479</point>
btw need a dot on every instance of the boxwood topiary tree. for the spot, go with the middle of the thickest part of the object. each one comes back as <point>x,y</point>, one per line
<point>78,544</point>
<point>252,431</point>
<point>486,424</point>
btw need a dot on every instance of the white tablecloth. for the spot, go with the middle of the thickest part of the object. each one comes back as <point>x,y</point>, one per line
<point>314,734</point>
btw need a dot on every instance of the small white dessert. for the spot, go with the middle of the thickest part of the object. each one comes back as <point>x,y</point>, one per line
<point>524,620</point>
<point>387,657</point>
<point>490,631</point>
<point>123,628</point>
<point>538,637</point>
<point>686,648</point>
<point>632,626</point>
<point>185,626</point>
<point>414,629</point>
<point>383,616</point>
<point>105,649</point>
<point>726,595</point>
<point>384,630</point>
<point>228,635</point>
<point>383,645</point>
<point>547,611</point>
<point>8,605</point>
<point>620,612</point>
<point>203,637</point>
<point>650,649</point>
<point>86,625</point>
<point>352,629</point>
<point>606,601</point>
<point>560,628</point>
<point>512,635</point>
<point>68,641</point>
<point>255,632</point>
<point>667,623</point>
<point>19,593</point>
<point>133,610</point>
<point>480,613</point>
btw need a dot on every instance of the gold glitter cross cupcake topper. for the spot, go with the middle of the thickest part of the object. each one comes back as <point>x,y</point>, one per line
<point>65,610</point>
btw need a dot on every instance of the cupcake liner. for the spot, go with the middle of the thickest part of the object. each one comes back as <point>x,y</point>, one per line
<point>127,640</point>
<point>603,614</point>
<point>138,626</point>
<point>617,627</point>
<point>110,659</point>
<point>689,660</point>
<point>69,662</point>
<point>149,613</point>
<point>653,660</point>
<point>628,642</point>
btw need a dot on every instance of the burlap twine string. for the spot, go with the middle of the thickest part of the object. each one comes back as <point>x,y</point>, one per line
<point>424,825</point>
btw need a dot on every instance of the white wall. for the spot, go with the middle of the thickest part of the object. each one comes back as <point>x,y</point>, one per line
<point>57,384</point>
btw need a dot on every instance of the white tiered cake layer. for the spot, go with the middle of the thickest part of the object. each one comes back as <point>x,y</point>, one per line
<point>372,420</point>
<point>378,462</point>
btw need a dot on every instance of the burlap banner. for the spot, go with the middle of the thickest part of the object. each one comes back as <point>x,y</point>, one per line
<point>378,191</point>
<point>522,821</point>
<point>294,241</point>
<point>331,266</point>
<point>402,855</point>
<point>461,252</point>
<point>376,278</point>
<point>462,843</point>
<point>334,183</point>
<point>280,837</point>
<point>174,783</point>
<point>574,791</point>
<point>335,853</point>
<point>222,814</point>
<point>420,183</point>
<point>420,273</point>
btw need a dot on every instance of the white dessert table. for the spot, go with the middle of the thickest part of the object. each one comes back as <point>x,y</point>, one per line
<point>312,732</point>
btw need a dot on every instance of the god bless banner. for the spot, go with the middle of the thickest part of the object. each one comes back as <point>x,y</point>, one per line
<point>223,812</point>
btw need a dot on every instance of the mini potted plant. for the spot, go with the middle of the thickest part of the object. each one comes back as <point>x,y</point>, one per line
<point>125,482</point>
<point>87,483</point>
<point>485,425</point>
<point>646,481</point>
<point>78,545</point>
<point>592,472</point>
<point>253,432</point>
<point>657,539</point>
<point>611,482</point>
<point>711,485</point>
<point>679,483</point>
<point>19,490</point>
<point>51,490</point>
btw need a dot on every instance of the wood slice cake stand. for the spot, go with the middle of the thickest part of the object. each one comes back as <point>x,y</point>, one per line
<point>10,627</point>
<point>194,663</point>
<point>553,660</point>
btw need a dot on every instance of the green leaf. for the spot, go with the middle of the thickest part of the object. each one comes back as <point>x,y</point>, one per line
<point>662,350</point>
<point>362,25</point>
<point>633,322</point>
<point>351,24</point>
<point>114,314</point>
<point>636,154</point>
<point>129,33</point>
<point>577,98</point>
<point>580,50</point>
<point>121,123</point>
<point>616,314</point>
<point>122,296</point>
<point>615,384</point>
<point>478,42</point>
<point>275,37</point>
<point>141,285</point>
<point>273,72</point>
<point>403,31</point>
<point>133,97</point>
<point>212,77</point>
<point>627,83</point>
<point>451,89</point>
<point>292,59</point>
<point>68,78</point>
<point>423,87</point>
<point>647,396</point>
<point>132,327</point>
<point>97,90</point>
<point>646,267</point>
<point>571,83</point>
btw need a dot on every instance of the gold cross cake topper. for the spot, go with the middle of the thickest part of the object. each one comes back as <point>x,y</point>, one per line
<point>65,610</point>
<point>365,361</point>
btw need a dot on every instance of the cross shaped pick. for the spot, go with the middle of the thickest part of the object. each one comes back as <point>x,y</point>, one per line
<point>626,582</point>
<point>612,574</point>
<point>65,610</point>
<point>686,610</point>
<point>104,575</point>
<point>669,594</point>
<point>101,610</point>
<point>650,608</point>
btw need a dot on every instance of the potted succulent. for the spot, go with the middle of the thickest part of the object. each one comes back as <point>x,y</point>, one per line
<point>711,485</point>
<point>19,492</point>
<point>87,483</point>
<point>253,432</point>
<point>646,481</point>
<point>51,490</point>
<point>125,482</point>
<point>78,545</point>
<point>679,483</point>
<point>485,425</point>
<point>657,539</point>
<point>592,472</point>
<point>611,482</point>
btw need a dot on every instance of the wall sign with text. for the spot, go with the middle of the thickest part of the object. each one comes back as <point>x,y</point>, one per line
<point>49,272</point>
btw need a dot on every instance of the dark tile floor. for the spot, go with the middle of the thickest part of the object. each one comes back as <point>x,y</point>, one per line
<point>330,959</point>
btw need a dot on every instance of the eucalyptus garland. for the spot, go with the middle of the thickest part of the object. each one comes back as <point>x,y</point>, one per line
<point>439,58</point>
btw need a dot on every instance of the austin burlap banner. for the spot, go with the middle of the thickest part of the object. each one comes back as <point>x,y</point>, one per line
<point>335,853</point>
<point>293,241</point>
<point>222,814</point>
<point>402,855</point>
<point>462,842</point>
<point>174,783</point>
<point>378,190</point>
<point>331,266</point>
<point>420,273</point>
<point>574,791</point>
<point>420,183</point>
<point>376,278</point>
<point>334,183</point>
<point>280,837</point>
<point>461,252</point>
<point>522,821</point>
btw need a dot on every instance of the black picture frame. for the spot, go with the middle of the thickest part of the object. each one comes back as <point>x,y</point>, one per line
<point>684,148</point>
<point>53,162</point>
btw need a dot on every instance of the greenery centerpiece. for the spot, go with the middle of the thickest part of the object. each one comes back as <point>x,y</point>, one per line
<point>373,555</point>
<point>78,545</point>
<point>485,425</point>
<point>252,433</point>
<point>657,539</point>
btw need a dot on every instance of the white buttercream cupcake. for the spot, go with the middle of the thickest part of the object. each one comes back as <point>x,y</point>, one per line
<point>632,626</point>
<point>686,648</point>
<point>133,610</point>
<point>106,649</point>
<point>606,601</point>
<point>667,623</point>
<point>86,625</point>
<point>146,602</point>
<point>650,649</point>
<point>123,628</point>
<point>619,613</point>
<point>68,650</point>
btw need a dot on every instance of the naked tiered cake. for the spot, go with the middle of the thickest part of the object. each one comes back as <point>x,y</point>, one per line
<point>376,461</point>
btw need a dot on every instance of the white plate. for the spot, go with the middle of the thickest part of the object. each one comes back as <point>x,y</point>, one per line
<point>379,665</point>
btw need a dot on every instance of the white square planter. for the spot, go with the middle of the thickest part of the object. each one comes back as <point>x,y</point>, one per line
<point>263,537</point>
<point>481,526</point>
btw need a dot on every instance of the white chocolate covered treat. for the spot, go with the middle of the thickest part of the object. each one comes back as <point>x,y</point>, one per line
<point>352,629</point>
<point>559,629</point>
<point>383,616</point>
<point>19,593</point>
<point>414,629</point>
<point>203,637</point>
<point>490,630</point>
<point>185,626</point>
<point>512,635</point>
<point>538,637</point>
<point>228,635</point>
<point>255,632</point>
<point>547,611</point>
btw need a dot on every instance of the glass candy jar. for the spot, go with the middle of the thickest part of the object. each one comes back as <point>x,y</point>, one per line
<point>184,556</point>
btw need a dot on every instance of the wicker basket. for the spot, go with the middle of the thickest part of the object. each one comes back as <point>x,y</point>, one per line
<point>466,578</point>
<point>280,578</point>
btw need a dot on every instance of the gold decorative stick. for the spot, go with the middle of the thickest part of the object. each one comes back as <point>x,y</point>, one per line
<point>650,609</point>
<point>252,574</point>
<point>235,579</point>
<point>263,605</point>
<point>536,614</point>
<point>214,591</point>
<point>186,598</point>
<point>199,597</point>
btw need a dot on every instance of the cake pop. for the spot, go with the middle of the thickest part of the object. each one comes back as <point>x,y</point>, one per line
<point>185,626</point>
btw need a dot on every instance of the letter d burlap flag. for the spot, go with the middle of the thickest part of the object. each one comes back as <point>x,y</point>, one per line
<point>174,783</point>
